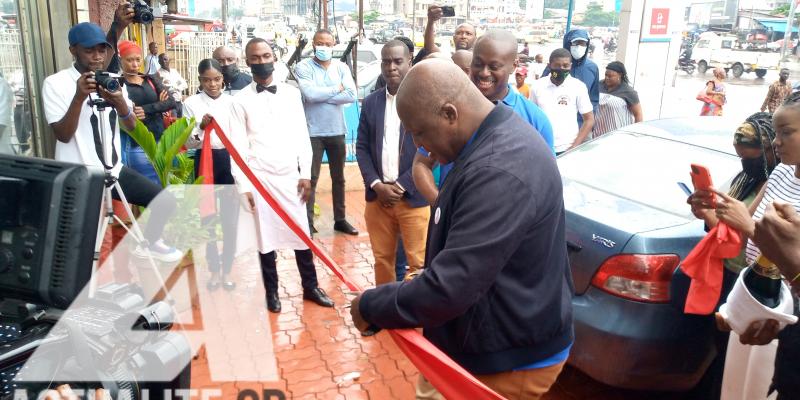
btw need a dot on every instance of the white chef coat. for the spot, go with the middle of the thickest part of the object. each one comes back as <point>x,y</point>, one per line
<point>271,134</point>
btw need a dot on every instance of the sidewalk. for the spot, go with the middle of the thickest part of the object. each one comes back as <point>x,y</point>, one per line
<point>315,347</point>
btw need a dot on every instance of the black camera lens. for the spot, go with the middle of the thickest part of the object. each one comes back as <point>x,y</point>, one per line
<point>142,13</point>
<point>106,81</point>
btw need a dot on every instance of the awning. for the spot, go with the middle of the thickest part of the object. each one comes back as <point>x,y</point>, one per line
<point>776,24</point>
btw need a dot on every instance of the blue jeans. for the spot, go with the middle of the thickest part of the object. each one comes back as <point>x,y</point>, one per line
<point>133,156</point>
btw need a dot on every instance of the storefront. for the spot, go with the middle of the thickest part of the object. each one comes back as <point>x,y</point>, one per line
<point>33,45</point>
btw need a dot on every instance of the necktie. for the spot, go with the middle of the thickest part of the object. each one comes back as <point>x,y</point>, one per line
<point>272,88</point>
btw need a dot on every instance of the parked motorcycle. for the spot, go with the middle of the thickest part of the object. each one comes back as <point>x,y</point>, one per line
<point>686,64</point>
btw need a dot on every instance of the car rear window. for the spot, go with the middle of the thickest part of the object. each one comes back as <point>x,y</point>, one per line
<point>645,169</point>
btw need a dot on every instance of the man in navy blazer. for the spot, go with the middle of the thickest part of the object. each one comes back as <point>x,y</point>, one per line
<point>385,153</point>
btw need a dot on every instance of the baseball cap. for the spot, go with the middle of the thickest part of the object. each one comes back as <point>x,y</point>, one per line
<point>87,34</point>
<point>522,71</point>
<point>579,39</point>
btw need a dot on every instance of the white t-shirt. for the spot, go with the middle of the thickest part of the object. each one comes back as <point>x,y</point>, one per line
<point>782,185</point>
<point>57,93</point>
<point>562,104</point>
<point>220,108</point>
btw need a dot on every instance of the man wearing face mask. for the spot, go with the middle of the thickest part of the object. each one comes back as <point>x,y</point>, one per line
<point>327,86</point>
<point>228,59</point>
<point>576,42</point>
<point>269,130</point>
<point>561,97</point>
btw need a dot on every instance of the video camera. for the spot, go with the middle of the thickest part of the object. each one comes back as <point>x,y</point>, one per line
<point>142,12</point>
<point>50,331</point>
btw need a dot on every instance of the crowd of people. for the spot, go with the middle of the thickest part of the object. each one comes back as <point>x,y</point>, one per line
<point>438,140</point>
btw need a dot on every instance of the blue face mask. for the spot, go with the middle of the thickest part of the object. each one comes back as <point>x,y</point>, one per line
<point>323,53</point>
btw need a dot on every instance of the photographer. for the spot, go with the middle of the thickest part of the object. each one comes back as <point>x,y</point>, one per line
<point>70,100</point>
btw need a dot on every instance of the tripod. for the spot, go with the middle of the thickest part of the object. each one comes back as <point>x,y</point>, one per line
<point>107,212</point>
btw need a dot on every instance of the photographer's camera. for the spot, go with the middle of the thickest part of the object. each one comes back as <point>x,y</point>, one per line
<point>143,13</point>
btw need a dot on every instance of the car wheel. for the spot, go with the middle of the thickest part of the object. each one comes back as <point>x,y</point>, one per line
<point>761,73</point>
<point>702,67</point>
<point>737,70</point>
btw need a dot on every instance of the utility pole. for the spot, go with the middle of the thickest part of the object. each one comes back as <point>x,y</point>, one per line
<point>324,5</point>
<point>224,12</point>
<point>570,9</point>
<point>414,22</point>
<point>789,24</point>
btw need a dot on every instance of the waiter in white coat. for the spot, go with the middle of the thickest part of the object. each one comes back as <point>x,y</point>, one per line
<point>270,132</point>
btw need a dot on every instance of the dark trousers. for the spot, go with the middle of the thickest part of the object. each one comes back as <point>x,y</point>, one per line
<point>305,264</point>
<point>228,212</point>
<point>141,191</point>
<point>337,152</point>
<point>400,261</point>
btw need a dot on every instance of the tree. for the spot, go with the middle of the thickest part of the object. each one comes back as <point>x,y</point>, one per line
<point>561,4</point>
<point>369,17</point>
<point>547,14</point>
<point>236,12</point>
<point>595,16</point>
<point>523,4</point>
<point>782,10</point>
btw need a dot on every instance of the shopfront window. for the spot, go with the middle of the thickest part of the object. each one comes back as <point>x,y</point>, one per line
<point>15,107</point>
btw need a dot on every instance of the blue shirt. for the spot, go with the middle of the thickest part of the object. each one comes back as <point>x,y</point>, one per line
<point>323,101</point>
<point>557,358</point>
<point>530,112</point>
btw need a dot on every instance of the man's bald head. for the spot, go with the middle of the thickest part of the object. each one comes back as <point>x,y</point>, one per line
<point>438,54</point>
<point>504,42</point>
<point>440,107</point>
<point>225,55</point>
<point>463,58</point>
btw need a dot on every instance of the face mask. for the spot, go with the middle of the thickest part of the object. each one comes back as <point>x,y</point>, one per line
<point>323,53</point>
<point>577,52</point>
<point>229,72</point>
<point>262,71</point>
<point>754,167</point>
<point>559,75</point>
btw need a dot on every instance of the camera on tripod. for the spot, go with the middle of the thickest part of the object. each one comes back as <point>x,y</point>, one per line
<point>142,13</point>
<point>51,332</point>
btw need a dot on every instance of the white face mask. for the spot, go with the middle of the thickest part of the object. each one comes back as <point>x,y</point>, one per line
<point>323,53</point>
<point>577,51</point>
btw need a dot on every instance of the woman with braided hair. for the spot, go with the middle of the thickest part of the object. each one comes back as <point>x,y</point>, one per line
<point>752,364</point>
<point>753,143</point>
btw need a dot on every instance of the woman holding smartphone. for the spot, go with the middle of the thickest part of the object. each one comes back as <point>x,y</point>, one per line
<point>753,143</point>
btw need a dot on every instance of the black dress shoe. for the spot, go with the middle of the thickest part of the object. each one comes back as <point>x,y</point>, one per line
<point>317,295</point>
<point>229,285</point>
<point>212,285</point>
<point>371,331</point>
<point>273,302</point>
<point>344,227</point>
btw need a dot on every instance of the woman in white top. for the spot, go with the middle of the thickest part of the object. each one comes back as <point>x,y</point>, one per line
<point>213,102</point>
<point>750,373</point>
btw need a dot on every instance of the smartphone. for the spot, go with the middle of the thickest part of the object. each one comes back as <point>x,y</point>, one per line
<point>685,188</point>
<point>448,11</point>
<point>701,180</point>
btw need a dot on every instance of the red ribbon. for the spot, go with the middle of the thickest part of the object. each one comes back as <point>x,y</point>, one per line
<point>208,203</point>
<point>704,265</point>
<point>449,378</point>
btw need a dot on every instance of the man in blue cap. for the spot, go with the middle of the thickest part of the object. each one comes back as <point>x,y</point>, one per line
<point>68,97</point>
<point>584,69</point>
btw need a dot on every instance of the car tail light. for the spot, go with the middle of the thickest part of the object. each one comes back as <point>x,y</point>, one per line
<point>640,277</point>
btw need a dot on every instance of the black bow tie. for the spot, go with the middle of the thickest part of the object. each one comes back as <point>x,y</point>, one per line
<point>272,89</point>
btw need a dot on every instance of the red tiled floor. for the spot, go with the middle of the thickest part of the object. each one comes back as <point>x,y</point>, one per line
<point>317,352</point>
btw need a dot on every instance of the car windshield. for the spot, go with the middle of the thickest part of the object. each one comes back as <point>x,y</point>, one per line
<point>645,169</point>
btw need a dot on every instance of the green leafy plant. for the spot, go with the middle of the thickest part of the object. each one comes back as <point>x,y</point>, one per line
<point>172,165</point>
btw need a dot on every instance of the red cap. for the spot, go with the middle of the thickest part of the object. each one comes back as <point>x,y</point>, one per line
<point>522,71</point>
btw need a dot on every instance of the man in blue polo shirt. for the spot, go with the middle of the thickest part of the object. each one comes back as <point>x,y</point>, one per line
<point>494,60</point>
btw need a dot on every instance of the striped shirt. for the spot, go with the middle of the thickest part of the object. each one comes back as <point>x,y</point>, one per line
<point>613,113</point>
<point>782,185</point>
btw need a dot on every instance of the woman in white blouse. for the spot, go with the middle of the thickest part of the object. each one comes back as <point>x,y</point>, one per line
<point>213,102</point>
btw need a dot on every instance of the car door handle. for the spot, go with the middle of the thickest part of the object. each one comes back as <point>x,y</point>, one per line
<point>573,247</point>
